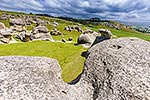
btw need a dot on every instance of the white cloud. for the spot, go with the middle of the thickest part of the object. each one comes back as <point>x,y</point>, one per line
<point>84,4</point>
<point>110,9</point>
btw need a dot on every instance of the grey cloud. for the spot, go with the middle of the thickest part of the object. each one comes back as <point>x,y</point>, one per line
<point>107,9</point>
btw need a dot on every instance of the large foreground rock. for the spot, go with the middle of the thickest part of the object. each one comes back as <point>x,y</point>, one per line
<point>36,78</point>
<point>119,69</point>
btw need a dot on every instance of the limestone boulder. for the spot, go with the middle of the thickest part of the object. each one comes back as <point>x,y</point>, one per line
<point>87,38</point>
<point>71,28</point>
<point>79,29</point>
<point>24,36</point>
<point>41,29</point>
<point>119,69</point>
<point>17,21</point>
<point>2,26</point>
<point>17,25</point>
<point>28,21</point>
<point>55,24</point>
<point>55,32</point>
<point>40,22</point>
<point>37,78</point>
<point>5,36</point>
<point>106,33</point>
<point>41,33</point>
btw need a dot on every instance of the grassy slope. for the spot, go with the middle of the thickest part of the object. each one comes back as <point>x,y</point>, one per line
<point>68,55</point>
<point>123,32</point>
<point>61,26</point>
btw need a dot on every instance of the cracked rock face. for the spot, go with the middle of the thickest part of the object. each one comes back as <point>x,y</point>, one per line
<point>119,69</point>
<point>37,78</point>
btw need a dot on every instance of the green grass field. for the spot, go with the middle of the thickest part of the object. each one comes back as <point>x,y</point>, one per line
<point>68,55</point>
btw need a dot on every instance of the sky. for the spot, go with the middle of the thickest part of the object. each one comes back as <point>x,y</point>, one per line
<point>120,10</point>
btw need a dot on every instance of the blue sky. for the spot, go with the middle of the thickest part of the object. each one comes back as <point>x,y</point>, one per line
<point>123,10</point>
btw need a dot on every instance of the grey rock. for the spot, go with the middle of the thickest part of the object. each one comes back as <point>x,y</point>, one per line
<point>5,40</point>
<point>41,33</point>
<point>37,78</point>
<point>88,31</point>
<point>119,69</point>
<point>6,32</point>
<point>55,32</point>
<point>67,28</point>
<point>70,39</point>
<point>2,26</point>
<point>87,38</point>
<point>24,36</point>
<point>79,29</point>
<point>4,16</point>
<point>71,28</point>
<point>17,21</point>
<point>40,22</point>
<point>41,29</point>
<point>1,36</point>
<point>106,33</point>
<point>55,24</point>
<point>64,40</point>
<point>17,25</point>
<point>5,36</point>
<point>29,21</point>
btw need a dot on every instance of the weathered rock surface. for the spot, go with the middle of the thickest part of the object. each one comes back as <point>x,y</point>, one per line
<point>55,24</point>
<point>55,32</point>
<point>5,36</point>
<point>40,22</point>
<point>36,78</point>
<point>28,21</point>
<point>41,33</point>
<point>17,25</point>
<point>105,35</point>
<point>18,21</point>
<point>71,28</point>
<point>119,69</point>
<point>41,29</point>
<point>2,25</point>
<point>87,38</point>
<point>24,36</point>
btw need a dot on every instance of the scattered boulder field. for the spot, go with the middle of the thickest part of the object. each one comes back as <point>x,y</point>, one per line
<point>41,33</point>
<point>115,69</point>
<point>18,29</point>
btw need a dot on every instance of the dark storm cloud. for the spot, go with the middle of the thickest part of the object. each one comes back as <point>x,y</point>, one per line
<point>133,10</point>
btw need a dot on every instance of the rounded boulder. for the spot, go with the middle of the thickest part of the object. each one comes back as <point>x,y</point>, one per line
<point>119,69</point>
